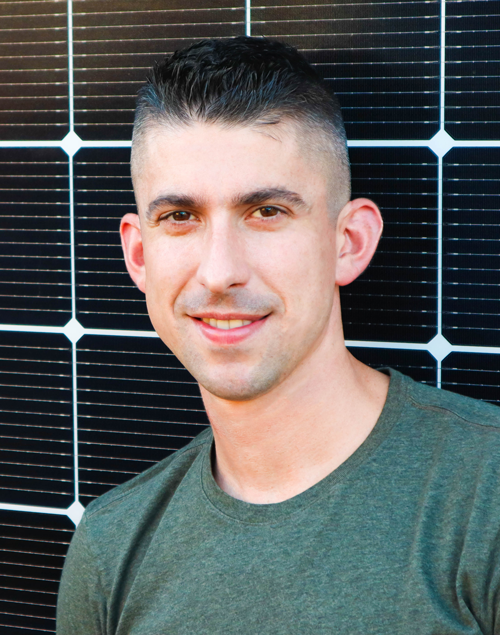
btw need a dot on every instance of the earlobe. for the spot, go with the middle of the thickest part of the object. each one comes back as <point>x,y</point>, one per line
<point>133,251</point>
<point>359,228</point>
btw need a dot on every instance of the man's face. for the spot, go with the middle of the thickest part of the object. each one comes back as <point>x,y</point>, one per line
<point>239,253</point>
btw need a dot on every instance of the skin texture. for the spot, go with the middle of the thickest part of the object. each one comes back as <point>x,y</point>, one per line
<point>237,224</point>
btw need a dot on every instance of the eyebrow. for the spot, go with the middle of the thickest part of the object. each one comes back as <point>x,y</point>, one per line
<point>262,196</point>
<point>173,200</point>
<point>258,197</point>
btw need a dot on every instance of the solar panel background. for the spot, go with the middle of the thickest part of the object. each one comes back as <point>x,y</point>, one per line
<point>81,367</point>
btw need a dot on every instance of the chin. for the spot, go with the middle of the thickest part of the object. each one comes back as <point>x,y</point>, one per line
<point>239,389</point>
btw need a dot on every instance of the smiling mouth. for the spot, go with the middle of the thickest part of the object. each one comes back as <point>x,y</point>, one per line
<point>226,324</point>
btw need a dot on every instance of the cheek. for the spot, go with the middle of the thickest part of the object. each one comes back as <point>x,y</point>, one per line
<point>300,269</point>
<point>167,271</point>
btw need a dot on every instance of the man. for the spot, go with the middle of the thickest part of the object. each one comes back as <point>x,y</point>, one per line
<point>327,497</point>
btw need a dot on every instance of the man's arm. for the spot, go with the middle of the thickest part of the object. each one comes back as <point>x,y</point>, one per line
<point>81,606</point>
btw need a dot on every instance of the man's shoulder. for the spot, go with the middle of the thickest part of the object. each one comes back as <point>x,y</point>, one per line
<point>143,491</point>
<point>454,408</point>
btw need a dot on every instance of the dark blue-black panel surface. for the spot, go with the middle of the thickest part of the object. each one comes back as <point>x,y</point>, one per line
<point>380,58</point>
<point>36,424</point>
<point>136,405</point>
<point>396,297</point>
<point>472,69</point>
<point>33,70</point>
<point>471,239</point>
<point>35,279</point>
<point>116,43</point>
<point>105,295</point>
<point>33,547</point>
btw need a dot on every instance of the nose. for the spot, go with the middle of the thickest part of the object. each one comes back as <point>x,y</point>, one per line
<point>223,262</point>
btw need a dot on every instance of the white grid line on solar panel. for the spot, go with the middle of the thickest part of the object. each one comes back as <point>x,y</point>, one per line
<point>115,459</point>
<point>31,566</point>
<point>31,603</point>
<point>346,35</point>
<point>28,628</point>
<point>34,374</point>
<point>55,511</point>
<point>113,484</point>
<point>149,12</point>
<point>134,379</point>
<point>23,16</point>
<point>333,21</point>
<point>42,414</point>
<point>342,4</point>
<point>39,491</point>
<point>128,354</point>
<point>352,143</point>
<point>149,40</point>
<point>116,27</point>
<point>29,30</point>
<point>37,283</point>
<point>43,465</point>
<point>35,478</point>
<point>160,422</point>
<point>41,529</point>
<point>121,445</point>
<point>44,440</point>
<point>136,407</point>
<point>30,577</point>
<point>15,424</point>
<point>30,3</point>
<point>142,432</point>
<point>105,286</point>
<point>23,577</point>
<point>133,392</point>
<point>37,42</point>
<point>45,591</point>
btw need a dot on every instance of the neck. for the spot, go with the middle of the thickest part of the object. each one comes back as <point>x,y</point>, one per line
<point>274,447</point>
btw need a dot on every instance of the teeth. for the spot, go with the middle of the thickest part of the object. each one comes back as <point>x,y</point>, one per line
<point>226,324</point>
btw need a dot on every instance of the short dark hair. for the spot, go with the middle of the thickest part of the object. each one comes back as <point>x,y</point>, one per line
<point>241,81</point>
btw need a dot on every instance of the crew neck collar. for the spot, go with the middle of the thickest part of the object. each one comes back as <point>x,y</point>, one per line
<point>275,512</point>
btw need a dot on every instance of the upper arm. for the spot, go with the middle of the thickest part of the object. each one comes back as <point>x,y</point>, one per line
<point>81,603</point>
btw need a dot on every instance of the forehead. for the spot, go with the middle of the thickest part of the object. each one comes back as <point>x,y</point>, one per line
<point>220,163</point>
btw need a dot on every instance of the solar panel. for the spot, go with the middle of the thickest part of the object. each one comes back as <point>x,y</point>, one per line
<point>90,396</point>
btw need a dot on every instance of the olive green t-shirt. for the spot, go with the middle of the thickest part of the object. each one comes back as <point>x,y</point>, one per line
<point>402,539</point>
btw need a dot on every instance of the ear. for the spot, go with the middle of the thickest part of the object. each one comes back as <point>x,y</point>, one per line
<point>130,232</point>
<point>359,227</point>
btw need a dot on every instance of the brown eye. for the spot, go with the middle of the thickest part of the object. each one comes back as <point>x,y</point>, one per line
<point>266,212</point>
<point>180,216</point>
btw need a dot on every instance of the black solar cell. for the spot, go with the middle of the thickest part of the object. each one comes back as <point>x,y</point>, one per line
<point>136,404</point>
<point>35,281</point>
<point>36,424</point>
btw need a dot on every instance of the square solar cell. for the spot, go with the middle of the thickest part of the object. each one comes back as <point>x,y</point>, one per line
<point>33,70</point>
<point>380,58</point>
<point>471,257</point>
<point>106,296</point>
<point>35,278</point>
<point>473,375</point>
<point>116,43</point>
<point>472,63</point>
<point>136,405</point>
<point>36,428</point>
<point>419,365</point>
<point>395,298</point>
<point>33,548</point>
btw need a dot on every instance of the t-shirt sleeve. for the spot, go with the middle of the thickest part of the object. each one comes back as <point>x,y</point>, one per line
<point>81,604</point>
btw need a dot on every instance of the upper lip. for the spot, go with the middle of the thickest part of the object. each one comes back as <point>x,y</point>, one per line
<point>227,316</point>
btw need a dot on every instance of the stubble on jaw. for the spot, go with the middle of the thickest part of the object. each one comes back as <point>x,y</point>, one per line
<point>238,378</point>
